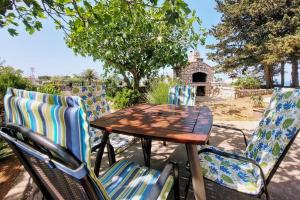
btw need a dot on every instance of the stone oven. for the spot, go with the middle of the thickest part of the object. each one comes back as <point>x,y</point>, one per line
<point>197,73</point>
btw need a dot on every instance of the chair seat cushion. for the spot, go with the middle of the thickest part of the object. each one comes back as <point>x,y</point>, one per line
<point>128,180</point>
<point>118,141</point>
<point>231,173</point>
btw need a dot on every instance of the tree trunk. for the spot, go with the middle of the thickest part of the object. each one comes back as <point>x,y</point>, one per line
<point>136,80</point>
<point>126,79</point>
<point>268,75</point>
<point>295,76</point>
<point>282,64</point>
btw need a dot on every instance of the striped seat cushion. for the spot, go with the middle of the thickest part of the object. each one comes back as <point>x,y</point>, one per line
<point>182,95</point>
<point>128,180</point>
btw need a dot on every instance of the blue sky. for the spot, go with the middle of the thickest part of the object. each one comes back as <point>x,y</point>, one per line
<point>47,52</point>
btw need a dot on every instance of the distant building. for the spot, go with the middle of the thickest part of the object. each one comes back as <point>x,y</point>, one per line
<point>197,73</point>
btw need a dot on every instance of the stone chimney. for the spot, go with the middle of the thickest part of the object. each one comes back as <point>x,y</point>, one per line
<point>194,56</point>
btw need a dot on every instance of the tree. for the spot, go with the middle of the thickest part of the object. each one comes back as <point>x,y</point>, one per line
<point>134,39</point>
<point>90,75</point>
<point>11,77</point>
<point>248,32</point>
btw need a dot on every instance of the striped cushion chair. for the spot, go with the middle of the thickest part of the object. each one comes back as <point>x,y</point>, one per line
<point>251,172</point>
<point>94,98</point>
<point>182,95</point>
<point>50,136</point>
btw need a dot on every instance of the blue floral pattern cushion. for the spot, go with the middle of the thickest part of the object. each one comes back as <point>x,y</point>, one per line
<point>234,174</point>
<point>97,106</point>
<point>279,125</point>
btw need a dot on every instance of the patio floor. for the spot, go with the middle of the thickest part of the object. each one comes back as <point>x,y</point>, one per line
<point>283,186</point>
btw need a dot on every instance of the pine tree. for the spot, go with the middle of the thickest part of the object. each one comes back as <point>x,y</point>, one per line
<point>256,33</point>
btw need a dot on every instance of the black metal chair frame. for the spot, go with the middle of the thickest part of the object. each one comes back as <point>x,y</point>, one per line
<point>60,158</point>
<point>245,159</point>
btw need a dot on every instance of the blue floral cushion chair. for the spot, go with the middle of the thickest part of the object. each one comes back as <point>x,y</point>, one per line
<point>94,98</point>
<point>50,136</point>
<point>182,95</point>
<point>252,171</point>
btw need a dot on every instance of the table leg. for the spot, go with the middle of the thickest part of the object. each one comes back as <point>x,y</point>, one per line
<point>197,178</point>
<point>100,152</point>
<point>146,145</point>
<point>111,153</point>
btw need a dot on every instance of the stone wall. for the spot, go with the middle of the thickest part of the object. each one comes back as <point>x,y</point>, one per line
<point>232,93</point>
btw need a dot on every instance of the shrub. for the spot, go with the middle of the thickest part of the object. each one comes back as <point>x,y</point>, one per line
<point>112,84</point>
<point>159,90</point>
<point>126,98</point>
<point>49,88</point>
<point>10,77</point>
<point>247,83</point>
<point>257,101</point>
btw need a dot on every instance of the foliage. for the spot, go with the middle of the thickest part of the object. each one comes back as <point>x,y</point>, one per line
<point>89,75</point>
<point>10,77</point>
<point>49,88</point>
<point>159,90</point>
<point>126,98</point>
<point>5,151</point>
<point>44,78</point>
<point>256,33</point>
<point>136,40</point>
<point>30,13</point>
<point>112,83</point>
<point>257,101</point>
<point>247,83</point>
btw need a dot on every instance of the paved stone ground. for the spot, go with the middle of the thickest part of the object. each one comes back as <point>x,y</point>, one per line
<point>285,184</point>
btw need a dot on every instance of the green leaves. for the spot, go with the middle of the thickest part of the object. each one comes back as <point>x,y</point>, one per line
<point>298,103</point>
<point>12,32</point>
<point>287,123</point>
<point>276,149</point>
<point>227,179</point>
<point>269,134</point>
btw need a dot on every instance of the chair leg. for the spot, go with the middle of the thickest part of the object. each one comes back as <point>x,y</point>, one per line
<point>146,145</point>
<point>176,181</point>
<point>267,193</point>
<point>164,143</point>
<point>187,187</point>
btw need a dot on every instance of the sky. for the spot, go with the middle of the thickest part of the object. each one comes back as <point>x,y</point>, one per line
<point>48,54</point>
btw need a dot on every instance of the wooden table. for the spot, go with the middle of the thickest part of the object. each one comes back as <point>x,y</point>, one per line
<point>181,124</point>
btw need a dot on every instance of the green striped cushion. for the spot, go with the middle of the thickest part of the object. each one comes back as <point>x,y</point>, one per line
<point>128,180</point>
<point>61,119</point>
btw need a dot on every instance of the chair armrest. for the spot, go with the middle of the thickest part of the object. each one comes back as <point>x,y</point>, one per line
<point>232,128</point>
<point>158,186</point>
<point>236,157</point>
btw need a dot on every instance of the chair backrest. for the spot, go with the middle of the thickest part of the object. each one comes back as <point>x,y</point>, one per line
<point>61,119</point>
<point>94,98</point>
<point>276,130</point>
<point>182,95</point>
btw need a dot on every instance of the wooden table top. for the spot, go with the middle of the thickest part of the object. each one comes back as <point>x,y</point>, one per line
<point>180,124</point>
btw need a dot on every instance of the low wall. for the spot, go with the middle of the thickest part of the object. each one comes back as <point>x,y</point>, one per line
<point>233,93</point>
<point>252,92</point>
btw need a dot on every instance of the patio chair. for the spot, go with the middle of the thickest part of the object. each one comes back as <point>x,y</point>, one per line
<point>50,136</point>
<point>94,98</point>
<point>182,95</point>
<point>252,171</point>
